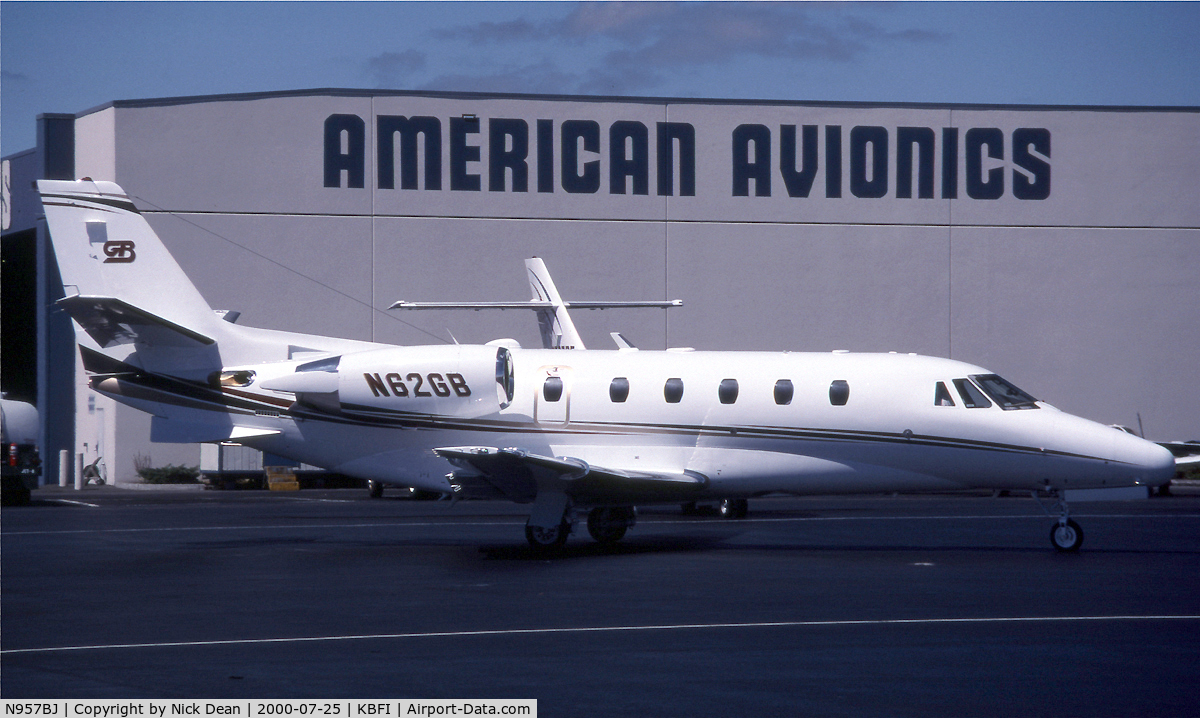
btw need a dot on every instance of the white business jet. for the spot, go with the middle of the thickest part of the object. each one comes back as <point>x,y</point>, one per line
<point>568,431</point>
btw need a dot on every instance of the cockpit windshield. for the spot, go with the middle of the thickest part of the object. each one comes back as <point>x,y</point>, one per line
<point>1004,393</point>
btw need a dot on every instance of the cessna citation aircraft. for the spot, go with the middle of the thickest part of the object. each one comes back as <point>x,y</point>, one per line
<point>562,428</point>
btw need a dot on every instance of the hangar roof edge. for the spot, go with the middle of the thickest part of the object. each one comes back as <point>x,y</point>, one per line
<point>346,92</point>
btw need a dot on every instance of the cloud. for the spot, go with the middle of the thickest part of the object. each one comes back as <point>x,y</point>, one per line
<point>539,78</point>
<point>8,76</point>
<point>644,44</point>
<point>619,78</point>
<point>392,69</point>
<point>507,31</point>
<point>707,33</point>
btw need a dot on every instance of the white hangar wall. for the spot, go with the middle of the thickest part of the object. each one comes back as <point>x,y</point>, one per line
<point>1059,247</point>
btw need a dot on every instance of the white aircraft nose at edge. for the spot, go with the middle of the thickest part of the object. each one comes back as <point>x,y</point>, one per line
<point>563,428</point>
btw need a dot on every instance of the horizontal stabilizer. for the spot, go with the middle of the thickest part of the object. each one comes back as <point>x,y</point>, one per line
<point>111,322</point>
<point>554,322</point>
<point>635,304</point>
<point>538,304</point>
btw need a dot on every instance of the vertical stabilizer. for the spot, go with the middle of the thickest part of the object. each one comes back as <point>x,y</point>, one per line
<point>105,248</point>
<point>558,331</point>
<point>121,284</point>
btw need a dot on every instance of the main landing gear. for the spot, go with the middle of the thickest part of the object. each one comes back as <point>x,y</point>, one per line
<point>1066,535</point>
<point>606,524</point>
<point>375,491</point>
<point>543,538</point>
<point>733,508</point>
<point>725,508</point>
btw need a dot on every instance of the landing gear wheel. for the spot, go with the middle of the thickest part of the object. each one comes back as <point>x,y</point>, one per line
<point>608,524</point>
<point>733,508</point>
<point>374,489</point>
<point>547,539</point>
<point>1067,537</point>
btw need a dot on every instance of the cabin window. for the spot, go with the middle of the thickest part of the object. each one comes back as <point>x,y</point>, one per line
<point>728,390</point>
<point>553,388</point>
<point>941,397</point>
<point>673,390</point>
<point>839,392</point>
<point>971,396</point>
<point>1004,393</point>
<point>784,391</point>
<point>618,390</point>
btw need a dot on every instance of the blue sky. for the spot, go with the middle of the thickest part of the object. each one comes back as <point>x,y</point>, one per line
<point>69,57</point>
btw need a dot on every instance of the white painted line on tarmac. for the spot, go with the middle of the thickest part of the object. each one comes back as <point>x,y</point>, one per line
<point>1007,517</point>
<point>73,503</point>
<point>611,629</point>
<point>320,501</point>
<point>450,521</point>
<point>288,527</point>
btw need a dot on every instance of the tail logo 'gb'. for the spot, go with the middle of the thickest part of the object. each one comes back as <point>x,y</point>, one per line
<point>119,251</point>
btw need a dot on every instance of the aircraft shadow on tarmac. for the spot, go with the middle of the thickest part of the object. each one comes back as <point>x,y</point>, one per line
<point>591,549</point>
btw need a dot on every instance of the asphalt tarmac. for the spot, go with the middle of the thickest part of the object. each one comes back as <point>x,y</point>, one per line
<point>856,606</point>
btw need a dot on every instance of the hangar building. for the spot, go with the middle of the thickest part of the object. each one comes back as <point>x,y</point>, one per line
<point>1057,246</point>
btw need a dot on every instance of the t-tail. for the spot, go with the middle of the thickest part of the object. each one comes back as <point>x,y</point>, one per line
<point>554,319</point>
<point>558,331</point>
<point>134,302</point>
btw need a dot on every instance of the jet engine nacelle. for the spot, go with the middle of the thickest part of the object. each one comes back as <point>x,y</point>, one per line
<point>448,381</point>
<point>458,381</point>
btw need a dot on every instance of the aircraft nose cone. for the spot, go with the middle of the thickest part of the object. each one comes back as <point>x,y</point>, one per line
<point>1161,465</point>
<point>1157,465</point>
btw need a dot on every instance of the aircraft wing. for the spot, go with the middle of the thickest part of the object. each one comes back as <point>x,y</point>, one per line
<point>1186,453</point>
<point>517,472</point>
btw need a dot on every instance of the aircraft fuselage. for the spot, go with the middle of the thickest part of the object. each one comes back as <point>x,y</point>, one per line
<point>748,422</point>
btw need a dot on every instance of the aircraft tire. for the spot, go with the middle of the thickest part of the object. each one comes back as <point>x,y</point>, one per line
<point>1068,538</point>
<point>375,489</point>
<point>543,539</point>
<point>607,524</point>
<point>733,508</point>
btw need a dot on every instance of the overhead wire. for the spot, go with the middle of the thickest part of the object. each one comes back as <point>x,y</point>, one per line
<point>283,266</point>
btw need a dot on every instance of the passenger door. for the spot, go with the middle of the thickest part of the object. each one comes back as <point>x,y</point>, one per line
<point>552,403</point>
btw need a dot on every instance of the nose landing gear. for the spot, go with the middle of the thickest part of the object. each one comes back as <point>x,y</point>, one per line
<point>1066,535</point>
